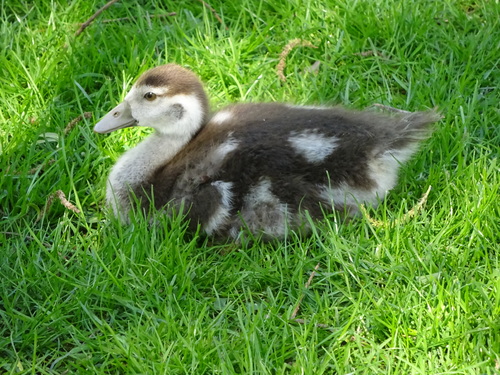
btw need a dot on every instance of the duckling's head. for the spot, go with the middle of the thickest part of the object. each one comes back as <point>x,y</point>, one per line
<point>168,98</point>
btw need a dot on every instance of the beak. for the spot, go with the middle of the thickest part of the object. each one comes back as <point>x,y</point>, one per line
<point>119,117</point>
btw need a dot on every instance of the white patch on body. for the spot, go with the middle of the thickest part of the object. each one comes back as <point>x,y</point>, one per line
<point>213,161</point>
<point>222,117</point>
<point>260,193</point>
<point>223,212</point>
<point>263,212</point>
<point>383,170</point>
<point>224,149</point>
<point>348,197</point>
<point>314,147</point>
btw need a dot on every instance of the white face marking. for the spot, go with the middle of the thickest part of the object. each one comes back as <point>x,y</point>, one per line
<point>222,117</point>
<point>140,91</point>
<point>314,147</point>
<point>223,212</point>
<point>179,115</point>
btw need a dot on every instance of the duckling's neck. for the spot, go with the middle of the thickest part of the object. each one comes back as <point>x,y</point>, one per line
<point>138,164</point>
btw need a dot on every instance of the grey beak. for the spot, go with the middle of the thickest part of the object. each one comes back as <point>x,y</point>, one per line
<point>119,117</point>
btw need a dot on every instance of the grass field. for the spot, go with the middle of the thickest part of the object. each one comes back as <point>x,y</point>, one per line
<point>81,294</point>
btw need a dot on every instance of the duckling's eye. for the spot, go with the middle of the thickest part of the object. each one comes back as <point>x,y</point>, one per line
<point>150,96</point>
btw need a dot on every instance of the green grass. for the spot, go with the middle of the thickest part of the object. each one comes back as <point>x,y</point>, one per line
<point>82,294</point>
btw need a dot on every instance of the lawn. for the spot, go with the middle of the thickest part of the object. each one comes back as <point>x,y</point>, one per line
<point>387,293</point>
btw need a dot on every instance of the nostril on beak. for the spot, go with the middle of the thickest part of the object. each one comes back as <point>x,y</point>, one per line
<point>116,114</point>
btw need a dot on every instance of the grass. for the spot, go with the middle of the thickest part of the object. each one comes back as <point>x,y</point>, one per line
<point>82,294</point>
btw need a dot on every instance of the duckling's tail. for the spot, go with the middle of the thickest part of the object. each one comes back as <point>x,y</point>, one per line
<point>409,131</point>
<point>417,126</point>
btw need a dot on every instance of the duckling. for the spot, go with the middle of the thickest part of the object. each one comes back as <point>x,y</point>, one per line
<point>264,167</point>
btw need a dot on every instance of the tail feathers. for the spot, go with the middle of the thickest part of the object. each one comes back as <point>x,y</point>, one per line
<point>409,131</point>
<point>413,128</point>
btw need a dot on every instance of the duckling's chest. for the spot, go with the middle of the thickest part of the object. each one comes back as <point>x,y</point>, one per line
<point>133,169</point>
